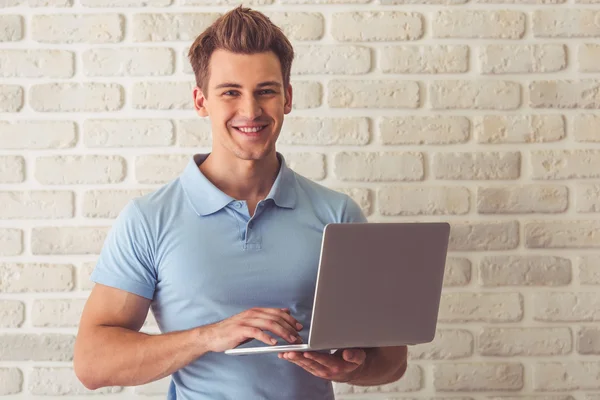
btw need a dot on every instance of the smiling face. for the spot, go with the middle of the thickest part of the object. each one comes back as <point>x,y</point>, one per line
<point>245,101</point>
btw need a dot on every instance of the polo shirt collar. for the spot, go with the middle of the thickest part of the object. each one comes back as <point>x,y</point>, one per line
<point>206,198</point>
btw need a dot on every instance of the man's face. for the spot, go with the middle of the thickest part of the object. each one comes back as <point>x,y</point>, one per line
<point>246,102</point>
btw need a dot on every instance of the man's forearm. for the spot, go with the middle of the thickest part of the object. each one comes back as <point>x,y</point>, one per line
<point>383,365</point>
<point>122,357</point>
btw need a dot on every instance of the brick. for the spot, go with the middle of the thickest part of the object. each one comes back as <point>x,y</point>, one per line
<point>12,315</point>
<point>76,97</point>
<point>35,277</point>
<point>196,132</point>
<point>167,27</point>
<point>57,313</point>
<point>566,307</point>
<point>34,347</point>
<point>225,2</point>
<point>585,127</point>
<point>83,276</point>
<point>533,396</point>
<point>159,168</point>
<point>565,164</point>
<point>11,242</point>
<point>126,3</point>
<point>588,341</point>
<point>37,64</point>
<point>457,272</point>
<point>586,198</point>
<point>373,94</point>
<point>163,95</point>
<point>363,197</point>
<point>522,199</point>
<point>11,98</point>
<point>420,200</point>
<point>87,169</point>
<point>379,166</point>
<point>529,270</point>
<point>159,387</point>
<point>565,23</point>
<point>37,134</point>
<point>50,3</point>
<point>376,26</point>
<point>477,166</point>
<point>12,28</point>
<point>562,234</point>
<point>479,24</point>
<point>299,25</point>
<point>12,169</point>
<point>11,381</point>
<point>331,59</point>
<point>565,94</point>
<point>436,59</point>
<point>478,95</point>
<point>306,95</point>
<point>448,344</point>
<point>573,375</point>
<point>587,55</point>
<point>60,381</point>
<point>589,269</point>
<point>108,203</point>
<point>37,205</point>
<point>478,377</point>
<point>522,59</point>
<point>325,131</point>
<point>145,61</point>
<point>411,381</point>
<point>428,2</point>
<point>484,235</point>
<point>78,28</point>
<point>67,240</point>
<point>128,133</point>
<point>424,130</point>
<point>310,165</point>
<point>512,342</point>
<point>519,128</point>
<point>481,307</point>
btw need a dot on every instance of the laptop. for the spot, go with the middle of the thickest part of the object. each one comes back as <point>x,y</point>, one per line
<point>378,285</point>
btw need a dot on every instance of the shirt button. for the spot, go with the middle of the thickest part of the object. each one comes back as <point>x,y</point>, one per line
<point>249,225</point>
<point>238,204</point>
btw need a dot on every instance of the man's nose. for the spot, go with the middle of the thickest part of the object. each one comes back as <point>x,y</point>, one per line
<point>251,108</point>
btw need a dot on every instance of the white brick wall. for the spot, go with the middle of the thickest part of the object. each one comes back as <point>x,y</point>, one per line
<point>485,114</point>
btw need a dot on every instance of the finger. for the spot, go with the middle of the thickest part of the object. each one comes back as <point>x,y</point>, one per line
<point>251,332</point>
<point>284,315</point>
<point>311,366</point>
<point>275,318</point>
<point>328,361</point>
<point>355,356</point>
<point>274,327</point>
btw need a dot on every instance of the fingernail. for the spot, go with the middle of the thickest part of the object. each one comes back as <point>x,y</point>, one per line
<point>350,354</point>
<point>299,325</point>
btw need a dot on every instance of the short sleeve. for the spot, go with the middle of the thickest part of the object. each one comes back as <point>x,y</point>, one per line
<point>126,260</point>
<point>352,212</point>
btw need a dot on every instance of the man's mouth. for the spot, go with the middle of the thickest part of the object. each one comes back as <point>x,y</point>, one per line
<point>250,129</point>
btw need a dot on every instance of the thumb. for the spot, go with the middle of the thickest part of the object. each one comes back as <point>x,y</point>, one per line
<point>355,356</point>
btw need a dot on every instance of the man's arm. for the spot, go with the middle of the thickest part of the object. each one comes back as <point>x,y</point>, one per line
<point>382,365</point>
<point>109,350</point>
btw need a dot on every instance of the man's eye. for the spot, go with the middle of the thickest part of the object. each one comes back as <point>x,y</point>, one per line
<point>230,93</point>
<point>266,91</point>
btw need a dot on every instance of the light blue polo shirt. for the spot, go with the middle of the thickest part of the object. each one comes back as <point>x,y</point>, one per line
<point>197,254</point>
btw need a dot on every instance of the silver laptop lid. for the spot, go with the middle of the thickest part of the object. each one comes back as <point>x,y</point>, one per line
<point>379,284</point>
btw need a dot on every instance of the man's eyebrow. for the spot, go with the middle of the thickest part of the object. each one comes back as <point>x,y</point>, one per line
<point>238,86</point>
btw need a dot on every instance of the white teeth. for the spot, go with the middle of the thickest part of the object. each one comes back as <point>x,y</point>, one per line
<point>251,130</point>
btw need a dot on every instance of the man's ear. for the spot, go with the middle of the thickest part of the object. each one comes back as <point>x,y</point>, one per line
<point>287,108</point>
<point>199,102</point>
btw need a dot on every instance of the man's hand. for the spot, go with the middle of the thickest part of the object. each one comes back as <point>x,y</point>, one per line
<point>341,366</point>
<point>251,324</point>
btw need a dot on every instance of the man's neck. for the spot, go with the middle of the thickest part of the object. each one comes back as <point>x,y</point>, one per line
<point>241,179</point>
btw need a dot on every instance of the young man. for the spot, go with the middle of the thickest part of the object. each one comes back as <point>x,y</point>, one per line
<point>226,253</point>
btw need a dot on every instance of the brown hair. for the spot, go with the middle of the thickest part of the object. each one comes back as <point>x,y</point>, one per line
<point>242,31</point>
